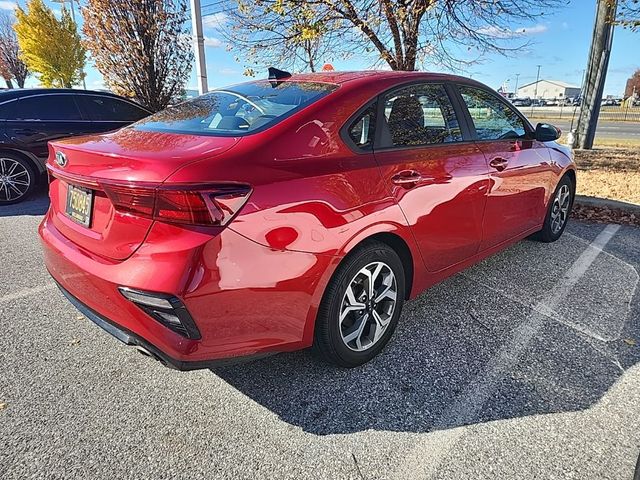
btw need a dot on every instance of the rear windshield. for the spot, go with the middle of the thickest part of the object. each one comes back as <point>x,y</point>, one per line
<point>240,109</point>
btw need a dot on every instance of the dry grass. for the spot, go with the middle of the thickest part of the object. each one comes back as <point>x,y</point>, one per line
<point>612,173</point>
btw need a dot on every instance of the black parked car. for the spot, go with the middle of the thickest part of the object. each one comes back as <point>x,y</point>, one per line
<point>29,118</point>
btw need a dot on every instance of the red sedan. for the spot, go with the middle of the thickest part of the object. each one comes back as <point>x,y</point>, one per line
<point>302,210</point>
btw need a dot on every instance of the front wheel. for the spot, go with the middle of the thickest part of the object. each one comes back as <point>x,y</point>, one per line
<point>558,212</point>
<point>361,306</point>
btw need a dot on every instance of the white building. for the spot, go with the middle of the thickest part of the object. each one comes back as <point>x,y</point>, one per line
<point>548,89</point>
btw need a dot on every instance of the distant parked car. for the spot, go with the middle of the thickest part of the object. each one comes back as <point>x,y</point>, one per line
<point>539,102</point>
<point>521,102</point>
<point>551,103</point>
<point>610,102</point>
<point>30,118</point>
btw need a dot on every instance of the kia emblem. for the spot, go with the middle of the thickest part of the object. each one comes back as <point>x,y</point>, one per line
<point>61,159</point>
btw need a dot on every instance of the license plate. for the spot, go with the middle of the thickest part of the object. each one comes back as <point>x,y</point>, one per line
<point>79,203</point>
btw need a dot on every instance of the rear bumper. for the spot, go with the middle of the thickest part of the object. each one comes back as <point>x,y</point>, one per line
<point>129,338</point>
<point>247,300</point>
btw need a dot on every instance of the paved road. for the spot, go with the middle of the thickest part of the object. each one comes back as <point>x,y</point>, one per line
<point>521,367</point>
<point>605,130</point>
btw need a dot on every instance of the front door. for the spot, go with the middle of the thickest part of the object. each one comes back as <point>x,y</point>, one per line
<point>439,180</point>
<point>518,166</point>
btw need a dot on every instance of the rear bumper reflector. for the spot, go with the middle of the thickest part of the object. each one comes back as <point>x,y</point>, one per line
<point>166,309</point>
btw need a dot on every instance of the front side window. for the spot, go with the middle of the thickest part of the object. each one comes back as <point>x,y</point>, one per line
<point>362,129</point>
<point>47,108</point>
<point>493,119</point>
<point>421,115</point>
<point>241,109</point>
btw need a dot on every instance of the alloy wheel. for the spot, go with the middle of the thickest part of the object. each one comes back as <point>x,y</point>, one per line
<point>15,179</point>
<point>367,306</point>
<point>560,209</point>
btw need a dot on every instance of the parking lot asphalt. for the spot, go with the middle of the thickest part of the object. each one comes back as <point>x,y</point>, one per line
<point>524,366</point>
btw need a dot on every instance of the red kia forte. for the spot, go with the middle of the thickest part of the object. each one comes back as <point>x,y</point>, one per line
<point>298,211</point>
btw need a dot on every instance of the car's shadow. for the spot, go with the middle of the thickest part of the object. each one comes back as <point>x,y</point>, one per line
<point>445,344</point>
<point>36,204</point>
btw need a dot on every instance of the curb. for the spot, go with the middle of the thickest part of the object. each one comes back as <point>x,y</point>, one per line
<point>605,202</point>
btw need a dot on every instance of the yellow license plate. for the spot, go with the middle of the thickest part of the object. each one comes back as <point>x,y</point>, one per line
<point>79,203</point>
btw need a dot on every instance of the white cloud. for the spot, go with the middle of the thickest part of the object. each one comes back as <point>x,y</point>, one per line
<point>229,71</point>
<point>215,20</point>
<point>497,32</point>
<point>8,5</point>
<point>212,42</point>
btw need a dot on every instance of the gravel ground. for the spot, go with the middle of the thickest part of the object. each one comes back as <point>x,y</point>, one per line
<point>524,366</point>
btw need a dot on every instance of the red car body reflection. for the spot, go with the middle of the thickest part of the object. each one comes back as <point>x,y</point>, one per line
<point>253,286</point>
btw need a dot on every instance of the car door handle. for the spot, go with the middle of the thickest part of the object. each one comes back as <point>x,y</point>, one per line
<point>408,178</point>
<point>499,163</point>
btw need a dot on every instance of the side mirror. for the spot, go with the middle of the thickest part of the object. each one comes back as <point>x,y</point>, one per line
<point>547,133</point>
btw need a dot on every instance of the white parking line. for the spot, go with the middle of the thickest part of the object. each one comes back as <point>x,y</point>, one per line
<point>425,458</point>
<point>25,292</point>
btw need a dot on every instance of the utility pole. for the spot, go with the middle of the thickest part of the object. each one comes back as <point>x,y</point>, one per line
<point>596,74</point>
<point>198,46</point>
<point>515,90</point>
<point>535,93</point>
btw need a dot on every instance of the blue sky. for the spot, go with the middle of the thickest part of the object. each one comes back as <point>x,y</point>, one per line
<point>559,42</point>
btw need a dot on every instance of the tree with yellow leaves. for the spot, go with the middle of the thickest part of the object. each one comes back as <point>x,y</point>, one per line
<point>51,48</point>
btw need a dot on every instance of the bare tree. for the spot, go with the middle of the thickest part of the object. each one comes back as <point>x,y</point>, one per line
<point>404,34</point>
<point>12,65</point>
<point>629,14</point>
<point>286,33</point>
<point>141,47</point>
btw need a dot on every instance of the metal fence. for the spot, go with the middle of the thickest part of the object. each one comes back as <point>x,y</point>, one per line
<point>607,114</point>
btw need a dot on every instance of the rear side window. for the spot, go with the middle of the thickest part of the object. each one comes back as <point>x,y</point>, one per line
<point>241,109</point>
<point>493,119</point>
<point>362,129</point>
<point>421,115</point>
<point>107,109</point>
<point>47,107</point>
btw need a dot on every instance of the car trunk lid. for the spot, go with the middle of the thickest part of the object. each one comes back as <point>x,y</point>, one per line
<point>84,169</point>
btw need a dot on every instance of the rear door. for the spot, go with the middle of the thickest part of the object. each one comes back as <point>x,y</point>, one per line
<point>518,165</point>
<point>38,119</point>
<point>108,113</point>
<point>436,174</point>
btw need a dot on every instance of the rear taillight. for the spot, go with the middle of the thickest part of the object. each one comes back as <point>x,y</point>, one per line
<point>194,205</point>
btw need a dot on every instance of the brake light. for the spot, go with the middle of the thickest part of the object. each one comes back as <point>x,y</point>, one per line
<point>211,205</point>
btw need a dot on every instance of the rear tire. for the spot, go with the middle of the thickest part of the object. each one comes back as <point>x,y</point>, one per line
<point>17,179</point>
<point>558,212</point>
<point>361,306</point>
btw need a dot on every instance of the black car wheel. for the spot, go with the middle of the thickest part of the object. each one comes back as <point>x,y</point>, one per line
<point>558,212</point>
<point>361,306</point>
<point>17,179</point>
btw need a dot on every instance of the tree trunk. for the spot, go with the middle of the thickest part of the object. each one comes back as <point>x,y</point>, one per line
<point>8,82</point>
